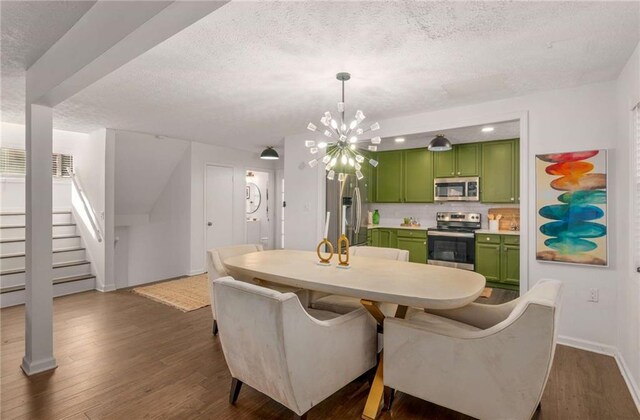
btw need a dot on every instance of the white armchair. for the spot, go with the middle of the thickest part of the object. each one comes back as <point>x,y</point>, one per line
<point>297,357</point>
<point>484,361</point>
<point>217,269</point>
<point>344,304</point>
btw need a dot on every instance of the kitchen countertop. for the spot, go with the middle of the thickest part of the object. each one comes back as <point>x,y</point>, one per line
<point>397,227</point>
<point>500,232</point>
<point>479,231</point>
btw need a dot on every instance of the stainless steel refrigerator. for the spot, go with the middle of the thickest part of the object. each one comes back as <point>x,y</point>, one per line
<point>352,204</point>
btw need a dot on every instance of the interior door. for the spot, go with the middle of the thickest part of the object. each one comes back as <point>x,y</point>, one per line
<point>219,211</point>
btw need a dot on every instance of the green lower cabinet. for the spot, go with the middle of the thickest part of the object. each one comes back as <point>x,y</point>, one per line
<point>374,234</point>
<point>387,238</point>
<point>498,259</point>
<point>412,240</point>
<point>511,264</point>
<point>417,249</point>
<point>488,260</point>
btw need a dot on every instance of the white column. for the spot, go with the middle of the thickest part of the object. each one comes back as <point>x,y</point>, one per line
<point>39,273</point>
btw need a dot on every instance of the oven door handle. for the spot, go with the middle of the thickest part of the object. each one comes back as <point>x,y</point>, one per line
<point>453,234</point>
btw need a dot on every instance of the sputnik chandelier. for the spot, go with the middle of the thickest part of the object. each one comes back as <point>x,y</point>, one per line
<point>342,154</point>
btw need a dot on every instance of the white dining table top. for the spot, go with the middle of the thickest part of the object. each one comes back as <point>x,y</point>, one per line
<point>380,280</point>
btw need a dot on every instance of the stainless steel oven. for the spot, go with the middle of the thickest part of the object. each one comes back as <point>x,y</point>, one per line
<point>452,249</point>
<point>452,243</point>
<point>457,189</point>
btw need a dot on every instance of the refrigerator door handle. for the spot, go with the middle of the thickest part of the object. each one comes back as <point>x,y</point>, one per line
<point>358,209</point>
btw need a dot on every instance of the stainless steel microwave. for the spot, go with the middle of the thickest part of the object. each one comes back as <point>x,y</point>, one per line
<point>457,189</point>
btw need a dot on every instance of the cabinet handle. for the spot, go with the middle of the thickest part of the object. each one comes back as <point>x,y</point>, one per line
<point>511,198</point>
<point>458,172</point>
<point>424,243</point>
<point>453,173</point>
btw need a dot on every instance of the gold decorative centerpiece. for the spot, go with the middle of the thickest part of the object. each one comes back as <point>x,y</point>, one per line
<point>343,245</point>
<point>325,241</point>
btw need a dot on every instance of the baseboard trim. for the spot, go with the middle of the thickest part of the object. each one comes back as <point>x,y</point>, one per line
<point>197,272</point>
<point>33,368</point>
<point>108,288</point>
<point>634,389</point>
<point>587,345</point>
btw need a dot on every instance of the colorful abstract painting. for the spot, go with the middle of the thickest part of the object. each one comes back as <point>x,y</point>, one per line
<point>571,204</point>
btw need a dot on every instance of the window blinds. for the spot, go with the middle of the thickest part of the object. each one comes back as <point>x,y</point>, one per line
<point>14,162</point>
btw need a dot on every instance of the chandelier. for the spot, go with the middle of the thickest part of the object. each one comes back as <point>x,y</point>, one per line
<point>342,154</point>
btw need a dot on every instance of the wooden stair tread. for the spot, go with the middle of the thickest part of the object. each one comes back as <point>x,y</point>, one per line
<point>59,265</point>
<point>23,226</point>
<point>60,280</point>
<point>6,241</point>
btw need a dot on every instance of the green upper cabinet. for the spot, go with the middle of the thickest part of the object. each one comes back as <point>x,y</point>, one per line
<point>499,176</point>
<point>418,176</point>
<point>444,164</point>
<point>388,183</point>
<point>467,159</point>
<point>462,160</point>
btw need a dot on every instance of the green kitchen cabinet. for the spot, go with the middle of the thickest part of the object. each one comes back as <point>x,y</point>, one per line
<point>510,265</point>
<point>370,237</point>
<point>444,164</point>
<point>387,238</point>
<point>467,159</point>
<point>488,260</point>
<point>388,185</point>
<point>461,160</point>
<point>375,237</point>
<point>498,259</point>
<point>418,176</point>
<point>414,241</point>
<point>499,179</point>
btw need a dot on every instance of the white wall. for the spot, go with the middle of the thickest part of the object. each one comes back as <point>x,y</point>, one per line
<point>628,95</point>
<point>201,155</point>
<point>159,249</point>
<point>561,120</point>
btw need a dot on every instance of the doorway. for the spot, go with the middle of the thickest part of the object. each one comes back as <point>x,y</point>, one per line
<point>259,209</point>
<point>219,206</point>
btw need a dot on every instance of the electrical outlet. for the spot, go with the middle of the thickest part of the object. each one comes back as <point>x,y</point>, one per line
<point>594,295</point>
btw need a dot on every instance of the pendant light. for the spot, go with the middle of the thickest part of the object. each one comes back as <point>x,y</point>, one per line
<point>269,154</point>
<point>439,144</point>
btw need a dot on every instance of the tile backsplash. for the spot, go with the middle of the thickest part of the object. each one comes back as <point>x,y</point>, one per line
<point>392,214</point>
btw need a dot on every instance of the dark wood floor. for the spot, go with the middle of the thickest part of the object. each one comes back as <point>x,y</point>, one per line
<point>122,356</point>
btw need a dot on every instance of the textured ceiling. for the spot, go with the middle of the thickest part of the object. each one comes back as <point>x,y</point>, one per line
<point>29,28</point>
<point>251,73</point>
<point>471,134</point>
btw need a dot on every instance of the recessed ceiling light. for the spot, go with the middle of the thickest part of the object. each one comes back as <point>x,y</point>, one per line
<point>399,139</point>
<point>487,129</point>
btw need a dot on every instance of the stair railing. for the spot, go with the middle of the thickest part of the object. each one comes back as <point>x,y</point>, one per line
<point>88,209</point>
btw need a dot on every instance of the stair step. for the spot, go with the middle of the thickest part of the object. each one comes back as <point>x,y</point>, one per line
<point>23,226</point>
<point>55,251</point>
<point>6,241</point>
<point>14,213</point>
<point>60,265</point>
<point>60,280</point>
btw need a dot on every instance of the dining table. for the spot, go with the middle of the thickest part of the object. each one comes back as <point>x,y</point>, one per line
<point>373,281</point>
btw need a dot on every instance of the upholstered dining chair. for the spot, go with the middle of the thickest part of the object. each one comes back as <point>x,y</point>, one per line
<point>216,269</point>
<point>344,304</point>
<point>486,361</point>
<point>296,356</point>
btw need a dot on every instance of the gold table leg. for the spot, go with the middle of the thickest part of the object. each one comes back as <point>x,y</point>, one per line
<point>376,393</point>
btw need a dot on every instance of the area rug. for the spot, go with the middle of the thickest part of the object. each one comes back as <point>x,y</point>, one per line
<point>486,293</point>
<point>186,294</point>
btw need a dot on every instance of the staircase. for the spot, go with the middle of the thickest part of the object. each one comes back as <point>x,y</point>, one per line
<point>71,268</point>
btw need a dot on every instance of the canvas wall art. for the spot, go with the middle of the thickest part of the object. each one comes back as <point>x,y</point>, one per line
<point>571,207</point>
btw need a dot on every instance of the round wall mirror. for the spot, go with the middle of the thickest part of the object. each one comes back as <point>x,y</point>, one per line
<point>253,197</point>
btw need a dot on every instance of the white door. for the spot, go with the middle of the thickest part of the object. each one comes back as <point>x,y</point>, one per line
<point>219,213</point>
